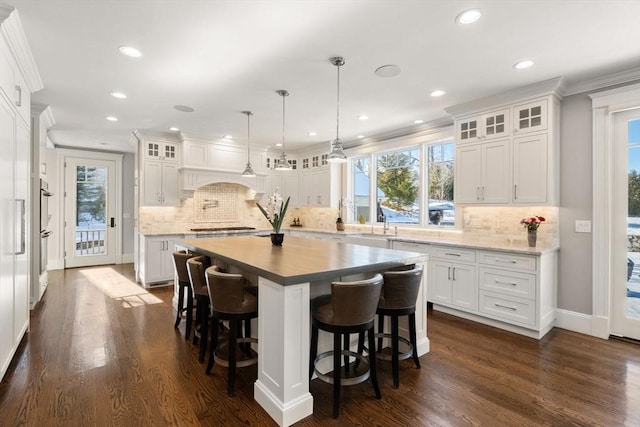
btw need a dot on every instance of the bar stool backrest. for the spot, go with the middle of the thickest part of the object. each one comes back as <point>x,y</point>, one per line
<point>180,265</point>
<point>226,292</point>
<point>356,302</point>
<point>400,288</point>
<point>196,267</point>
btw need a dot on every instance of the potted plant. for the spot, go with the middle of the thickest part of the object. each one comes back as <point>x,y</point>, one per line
<point>339,222</point>
<point>275,213</point>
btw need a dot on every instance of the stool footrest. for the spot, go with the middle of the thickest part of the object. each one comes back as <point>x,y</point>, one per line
<point>240,363</point>
<point>344,380</point>
<point>401,356</point>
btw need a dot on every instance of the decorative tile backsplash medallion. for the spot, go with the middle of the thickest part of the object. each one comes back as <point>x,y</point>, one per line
<point>215,203</point>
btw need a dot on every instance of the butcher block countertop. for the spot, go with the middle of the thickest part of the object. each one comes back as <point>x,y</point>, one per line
<point>300,259</point>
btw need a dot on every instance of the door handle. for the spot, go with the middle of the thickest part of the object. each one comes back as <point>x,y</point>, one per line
<point>22,231</point>
<point>112,222</point>
<point>19,99</point>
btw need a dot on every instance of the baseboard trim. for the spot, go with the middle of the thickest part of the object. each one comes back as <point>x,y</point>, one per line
<point>583,323</point>
<point>126,259</point>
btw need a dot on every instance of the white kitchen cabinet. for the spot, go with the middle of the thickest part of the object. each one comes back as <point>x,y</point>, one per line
<point>156,259</point>
<point>160,183</point>
<point>528,165</point>
<point>530,169</point>
<point>287,184</point>
<point>160,150</point>
<point>490,125</point>
<point>482,173</point>
<point>15,180</point>
<point>451,282</point>
<point>320,187</point>
<point>530,117</point>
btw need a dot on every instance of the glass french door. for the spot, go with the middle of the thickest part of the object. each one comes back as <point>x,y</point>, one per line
<point>90,207</point>
<point>626,225</point>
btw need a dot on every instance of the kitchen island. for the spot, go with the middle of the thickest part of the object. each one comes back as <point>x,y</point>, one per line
<point>288,276</point>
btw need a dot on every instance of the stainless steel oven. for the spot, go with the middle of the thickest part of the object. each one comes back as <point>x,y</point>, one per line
<point>44,222</point>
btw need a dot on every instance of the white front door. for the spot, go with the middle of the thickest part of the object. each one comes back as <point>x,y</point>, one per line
<point>90,212</point>
<point>626,225</point>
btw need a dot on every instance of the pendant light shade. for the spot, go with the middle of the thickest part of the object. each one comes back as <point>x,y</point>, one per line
<point>283,164</point>
<point>248,171</point>
<point>337,155</point>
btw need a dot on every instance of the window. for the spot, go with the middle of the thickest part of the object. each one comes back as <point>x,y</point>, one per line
<point>440,176</point>
<point>398,186</point>
<point>361,185</point>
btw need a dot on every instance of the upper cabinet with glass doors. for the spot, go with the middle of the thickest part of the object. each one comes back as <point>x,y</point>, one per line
<point>159,150</point>
<point>526,164</point>
<point>486,126</point>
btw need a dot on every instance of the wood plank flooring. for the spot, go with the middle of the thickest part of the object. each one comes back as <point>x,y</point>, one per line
<point>103,352</point>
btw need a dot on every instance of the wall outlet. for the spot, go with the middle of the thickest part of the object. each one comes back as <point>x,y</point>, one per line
<point>583,226</point>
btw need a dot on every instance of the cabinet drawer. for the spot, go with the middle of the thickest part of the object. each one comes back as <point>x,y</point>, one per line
<point>509,308</point>
<point>503,259</point>
<point>454,254</point>
<point>521,285</point>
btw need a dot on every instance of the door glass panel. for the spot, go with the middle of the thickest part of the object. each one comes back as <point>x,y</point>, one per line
<point>361,185</point>
<point>91,210</point>
<point>633,221</point>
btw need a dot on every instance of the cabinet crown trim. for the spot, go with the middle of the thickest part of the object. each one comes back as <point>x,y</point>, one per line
<point>17,40</point>
<point>553,86</point>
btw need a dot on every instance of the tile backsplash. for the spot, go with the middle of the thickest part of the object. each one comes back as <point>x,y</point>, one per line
<point>229,205</point>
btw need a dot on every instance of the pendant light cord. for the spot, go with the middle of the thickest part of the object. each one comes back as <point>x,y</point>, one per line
<point>283,96</point>
<point>338,107</point>
<point>248,138</point>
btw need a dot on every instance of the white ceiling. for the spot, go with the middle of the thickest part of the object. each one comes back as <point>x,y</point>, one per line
<point>222,57</point>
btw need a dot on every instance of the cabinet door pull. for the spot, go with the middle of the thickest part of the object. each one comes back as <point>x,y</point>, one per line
<point>19,93</point>
<point>505,283</point>
<point>452,254</point>
<point>508,261</point>
<point>483,192</point>
<point>448,273</point>
<point>477,193</point>
<point>158,197</point>
<point>505,306</point>
<point>21,237</point>
<point>454,274</point>
<point>515,191</point>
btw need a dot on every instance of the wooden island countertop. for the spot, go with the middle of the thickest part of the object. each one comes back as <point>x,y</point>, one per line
<point>300,259</point>
<point>285,275</point>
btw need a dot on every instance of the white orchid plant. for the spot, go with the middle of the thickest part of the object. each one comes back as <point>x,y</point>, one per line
<point>275,210</point>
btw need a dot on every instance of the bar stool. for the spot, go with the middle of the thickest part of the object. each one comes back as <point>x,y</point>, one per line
<point>350,308</point>
<point>398,298</point>
<point>196,267</point>
<point>180,266</point>
<point>231,301</point>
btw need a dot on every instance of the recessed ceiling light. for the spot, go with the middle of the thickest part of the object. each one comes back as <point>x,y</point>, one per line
<point>390,70</point>
<point>360,136</point>
<point>227,137</point>
<point>437,92</point>
<point>130,51</point>
<point>468,16</point>
<point>521,65</point>
<point>279,144</point>
<point>112,118</point>
<point>363,117</point>
<point>418,121</point>
<point>174,129</point>
<point>118,95</point>
<point>312,133</point>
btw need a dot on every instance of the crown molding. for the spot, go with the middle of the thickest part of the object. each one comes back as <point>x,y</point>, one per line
<point>596,83</point>
<point>554,86</point>
<point>45,114</point>
<point>222,142</point>
<point>14,34</point>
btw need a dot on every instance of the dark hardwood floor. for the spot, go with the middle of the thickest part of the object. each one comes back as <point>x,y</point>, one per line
<point>102,352</point>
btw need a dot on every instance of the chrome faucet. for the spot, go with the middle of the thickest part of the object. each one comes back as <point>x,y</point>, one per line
<point>385,226</point>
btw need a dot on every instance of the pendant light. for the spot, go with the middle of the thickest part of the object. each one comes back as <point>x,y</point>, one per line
<point>336,155</point>
<point>283,164</point>
<point>248,171</point>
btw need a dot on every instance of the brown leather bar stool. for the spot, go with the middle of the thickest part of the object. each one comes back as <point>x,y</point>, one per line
<point>398,298</point>
<point>180,266</point>
<point>231,301</point>
<point>196,267</point>
<point>351,308</point>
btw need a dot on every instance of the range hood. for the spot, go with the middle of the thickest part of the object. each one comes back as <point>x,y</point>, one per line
<point>190,180</point>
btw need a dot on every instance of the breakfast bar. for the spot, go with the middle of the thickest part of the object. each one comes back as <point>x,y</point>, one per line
<point>288,276</point>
